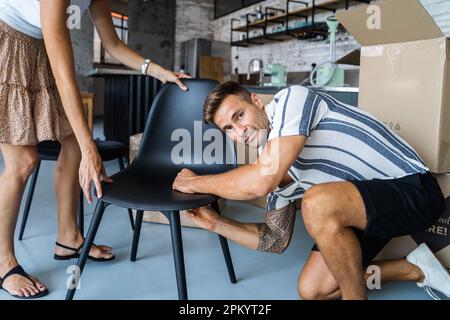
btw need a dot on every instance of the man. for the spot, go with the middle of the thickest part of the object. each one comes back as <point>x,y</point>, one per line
<point>361,186</point>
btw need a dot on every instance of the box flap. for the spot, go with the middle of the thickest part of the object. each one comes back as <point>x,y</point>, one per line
<point>399,21</point>
<point>353,58</point>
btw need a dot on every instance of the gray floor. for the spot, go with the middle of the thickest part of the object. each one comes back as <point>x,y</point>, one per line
<point>260,275</point>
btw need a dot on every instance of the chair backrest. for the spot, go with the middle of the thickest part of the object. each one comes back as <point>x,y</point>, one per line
<point>176,136</point>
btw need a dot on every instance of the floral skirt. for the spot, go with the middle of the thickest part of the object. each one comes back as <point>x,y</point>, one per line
<point>31,110</point>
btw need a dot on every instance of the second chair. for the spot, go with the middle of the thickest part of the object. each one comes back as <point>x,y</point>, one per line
<point>49,151</point>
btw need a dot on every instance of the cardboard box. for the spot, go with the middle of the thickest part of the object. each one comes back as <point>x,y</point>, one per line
<point>405,76</point>
<point>436,237</point>
<point>156,216</point>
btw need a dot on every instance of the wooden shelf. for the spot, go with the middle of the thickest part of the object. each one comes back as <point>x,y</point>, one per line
<point>305,32</point>
<point>328,4</point>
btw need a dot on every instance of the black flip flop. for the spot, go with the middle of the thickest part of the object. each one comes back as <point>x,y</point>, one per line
<point>19,270</point>
<point>76,255</point>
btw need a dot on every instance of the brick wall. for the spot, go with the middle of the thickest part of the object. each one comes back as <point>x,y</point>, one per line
<point>151,29</point>
<point>194,19</point>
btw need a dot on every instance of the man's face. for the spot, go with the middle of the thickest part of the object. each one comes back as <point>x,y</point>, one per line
<point>243,121</point>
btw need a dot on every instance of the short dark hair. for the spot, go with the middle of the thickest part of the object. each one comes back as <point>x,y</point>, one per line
<point>219,93</point>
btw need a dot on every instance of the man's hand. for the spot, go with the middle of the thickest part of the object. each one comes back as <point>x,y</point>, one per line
<point>205,217</point>
<point>184,182</point>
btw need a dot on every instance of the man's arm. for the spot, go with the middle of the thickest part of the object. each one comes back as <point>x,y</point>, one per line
<point>250,181</point>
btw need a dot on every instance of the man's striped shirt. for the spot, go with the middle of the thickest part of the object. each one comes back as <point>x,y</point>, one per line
<point>344,143</point>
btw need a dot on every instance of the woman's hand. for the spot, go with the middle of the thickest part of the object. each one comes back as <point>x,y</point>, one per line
<point>92,169</point>
<point>165,75</point>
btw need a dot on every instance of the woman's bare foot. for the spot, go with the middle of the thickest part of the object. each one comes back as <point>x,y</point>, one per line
<point>97,251</point>
<point>19,285</point>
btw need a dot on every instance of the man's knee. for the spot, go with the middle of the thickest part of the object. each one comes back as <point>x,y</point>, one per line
<point>308,289</point>
<point>317,211</point>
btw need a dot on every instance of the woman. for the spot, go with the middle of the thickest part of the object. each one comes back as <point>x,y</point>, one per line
<point>40,100</point>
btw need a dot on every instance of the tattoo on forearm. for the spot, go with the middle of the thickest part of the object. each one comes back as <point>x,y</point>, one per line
<point>276,233</point>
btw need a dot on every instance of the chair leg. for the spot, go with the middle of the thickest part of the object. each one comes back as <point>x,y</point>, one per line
<point>30,194</point>
<point>95,223</point>
<point>121,164</point>
<point>177,247</point>
<point>130,216</point>
<point>226,250</point>
<point>81,213</point>
<point>130,212</point>
<point>136,234</point>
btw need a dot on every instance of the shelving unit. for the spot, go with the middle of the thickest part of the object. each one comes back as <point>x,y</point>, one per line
<point>305,25</point>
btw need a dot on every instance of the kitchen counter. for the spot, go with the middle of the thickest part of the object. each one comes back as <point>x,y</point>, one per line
<point>127,97</point>
<point>99,72</point>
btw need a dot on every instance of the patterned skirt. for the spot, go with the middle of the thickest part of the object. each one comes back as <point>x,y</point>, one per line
<point>30,106</point>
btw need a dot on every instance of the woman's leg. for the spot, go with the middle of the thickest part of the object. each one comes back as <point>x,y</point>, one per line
<point>19,162</point>
<point>67,189</point>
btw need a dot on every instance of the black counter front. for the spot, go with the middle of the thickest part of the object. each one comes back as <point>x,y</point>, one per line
<point>128,96</point>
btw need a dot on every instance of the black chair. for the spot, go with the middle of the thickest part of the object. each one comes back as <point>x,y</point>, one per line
<point>49,151</point>
<point>147,183</point>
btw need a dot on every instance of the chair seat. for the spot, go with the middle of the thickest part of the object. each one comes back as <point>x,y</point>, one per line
<point>49,150</point>
<point>133,188</point>
<point>108,150</point>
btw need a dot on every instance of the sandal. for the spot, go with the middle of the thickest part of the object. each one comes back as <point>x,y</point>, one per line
<point>19,270</point>
<point>76,255</point>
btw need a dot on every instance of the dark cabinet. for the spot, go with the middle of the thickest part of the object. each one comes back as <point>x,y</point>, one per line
<point>250,2</point>
<point>127,104</point>
<point>224,7</point>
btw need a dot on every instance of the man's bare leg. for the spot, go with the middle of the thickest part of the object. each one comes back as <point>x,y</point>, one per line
<point>272,236</point>
<point>330,212</point>
<point>317,283</point>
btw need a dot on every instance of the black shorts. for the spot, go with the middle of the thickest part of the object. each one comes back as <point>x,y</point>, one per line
<point>396,207</point>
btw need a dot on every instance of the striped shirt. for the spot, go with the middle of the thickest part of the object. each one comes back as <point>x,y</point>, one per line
<point>344,143</point>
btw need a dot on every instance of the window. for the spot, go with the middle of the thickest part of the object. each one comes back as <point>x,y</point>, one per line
<point>120,22</point>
